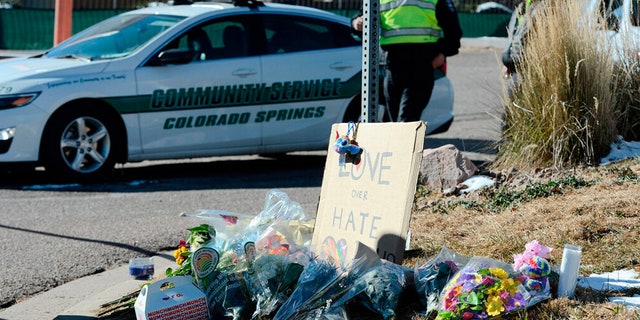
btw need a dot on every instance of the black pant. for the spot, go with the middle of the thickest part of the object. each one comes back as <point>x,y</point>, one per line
<point>408,80</point>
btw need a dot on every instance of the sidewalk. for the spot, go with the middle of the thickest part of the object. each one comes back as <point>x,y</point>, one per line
<point>80,299</point>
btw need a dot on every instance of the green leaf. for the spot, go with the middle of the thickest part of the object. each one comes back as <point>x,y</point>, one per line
<point>446,315</point>
<point>204,228</point>
<point>473,299</point>
<point>477,308</point>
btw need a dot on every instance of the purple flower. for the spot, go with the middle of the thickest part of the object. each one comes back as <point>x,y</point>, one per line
<point>467,276</point>
<point>515,302</point>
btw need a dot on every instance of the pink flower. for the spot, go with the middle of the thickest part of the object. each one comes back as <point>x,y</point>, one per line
<point>534,248</point>
<point>518,261</point>
<point>230,220</point>
<point>450,303</point>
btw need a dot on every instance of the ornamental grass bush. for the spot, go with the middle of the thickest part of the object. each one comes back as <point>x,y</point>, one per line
<point>573,99</point>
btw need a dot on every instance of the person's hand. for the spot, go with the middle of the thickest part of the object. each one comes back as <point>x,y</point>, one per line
<point>505,72</point>
<point>438,61</point>
<point>357,23</point>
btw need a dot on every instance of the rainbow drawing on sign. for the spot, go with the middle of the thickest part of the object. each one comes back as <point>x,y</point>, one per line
<point>335,250</point>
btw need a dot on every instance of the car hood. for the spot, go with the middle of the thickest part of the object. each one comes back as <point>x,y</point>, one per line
<point>13,69</point>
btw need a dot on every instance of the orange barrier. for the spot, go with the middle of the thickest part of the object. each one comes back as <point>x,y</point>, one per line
<point>62,20</point>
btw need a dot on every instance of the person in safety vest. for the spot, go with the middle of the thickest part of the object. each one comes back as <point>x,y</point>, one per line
<point>415,37</point>
<point>512,54</point>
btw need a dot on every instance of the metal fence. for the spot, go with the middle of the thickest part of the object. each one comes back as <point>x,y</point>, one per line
<point>461,5</point>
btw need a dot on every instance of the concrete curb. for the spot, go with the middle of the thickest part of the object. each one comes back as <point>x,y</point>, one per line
<point>80,299</point>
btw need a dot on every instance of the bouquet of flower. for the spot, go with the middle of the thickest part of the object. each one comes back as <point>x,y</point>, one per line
<point>378,287</point>
<point>489,288</point>
<point>197,237</point>
<point>277,207</point>
<point>483,288</point>
<point>272,252</point>
<point>239,262</point>
<point>431,277</point>
<point>270,281</point>
<point>319,286</point>
<point>226,224</point>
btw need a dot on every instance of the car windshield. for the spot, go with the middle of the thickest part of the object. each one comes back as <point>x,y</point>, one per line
<point>115,37</point>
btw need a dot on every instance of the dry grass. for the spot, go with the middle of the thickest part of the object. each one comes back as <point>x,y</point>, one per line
<point>602,216</point>
<point>565,109</point>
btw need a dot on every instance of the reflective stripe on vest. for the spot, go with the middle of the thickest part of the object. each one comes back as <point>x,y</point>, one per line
<point>409,21</point>
<point>418,3</point>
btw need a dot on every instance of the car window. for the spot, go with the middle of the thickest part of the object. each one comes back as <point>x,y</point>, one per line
<point>294,34</point>
<point>115,37</point>
<point>635,15</point>
<point>612,10</point>
<point>220,39</point>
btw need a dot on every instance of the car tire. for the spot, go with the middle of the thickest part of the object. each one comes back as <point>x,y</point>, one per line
<point>81,144</point>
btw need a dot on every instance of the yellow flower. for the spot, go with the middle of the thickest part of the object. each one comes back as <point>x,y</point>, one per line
<point>499,272</point>
<point>509,285</point>
<point>178,255</point>
<point>494,290</point>
<point>494,305</point>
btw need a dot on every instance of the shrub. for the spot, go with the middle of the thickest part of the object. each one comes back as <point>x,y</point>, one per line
<point>572,97</point>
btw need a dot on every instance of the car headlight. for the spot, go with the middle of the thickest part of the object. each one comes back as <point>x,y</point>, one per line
<point>17,100</point>
<point>7,133</point>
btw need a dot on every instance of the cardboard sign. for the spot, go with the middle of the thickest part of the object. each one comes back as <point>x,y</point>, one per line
<point>174,298</point>
<point>371,201</point>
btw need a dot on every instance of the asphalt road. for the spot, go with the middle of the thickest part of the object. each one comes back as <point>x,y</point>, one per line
<point>51,234</point>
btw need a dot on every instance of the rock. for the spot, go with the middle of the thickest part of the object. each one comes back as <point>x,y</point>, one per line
<point>444,168</point>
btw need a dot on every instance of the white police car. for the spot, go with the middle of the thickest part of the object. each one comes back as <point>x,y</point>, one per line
<point>187,81</point>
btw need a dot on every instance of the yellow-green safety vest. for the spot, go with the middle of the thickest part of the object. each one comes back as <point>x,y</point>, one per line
<point>408,21</point>
<point>526,7</point>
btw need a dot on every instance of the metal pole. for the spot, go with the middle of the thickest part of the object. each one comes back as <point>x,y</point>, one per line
<point>370,65</point>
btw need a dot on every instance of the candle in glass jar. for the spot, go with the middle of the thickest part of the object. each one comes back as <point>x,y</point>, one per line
<point>569,270</point>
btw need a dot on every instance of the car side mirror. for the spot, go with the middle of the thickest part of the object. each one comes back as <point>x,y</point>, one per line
<point>172,56</point>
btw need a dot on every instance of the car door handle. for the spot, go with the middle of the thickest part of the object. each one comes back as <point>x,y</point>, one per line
<point>340,66</point>
<point>243,72</point>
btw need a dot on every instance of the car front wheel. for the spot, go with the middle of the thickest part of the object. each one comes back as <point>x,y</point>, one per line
<point>80,145</point>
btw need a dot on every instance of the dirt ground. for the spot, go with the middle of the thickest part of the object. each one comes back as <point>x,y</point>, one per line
<point>597,208</point>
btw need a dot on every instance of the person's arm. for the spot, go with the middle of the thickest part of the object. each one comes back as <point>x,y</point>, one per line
<point>507,58</point>
<point>513,53</point>
<point>448,20</point>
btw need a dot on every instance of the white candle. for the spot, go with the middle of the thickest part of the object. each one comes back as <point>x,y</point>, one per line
<point>569,270</point>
